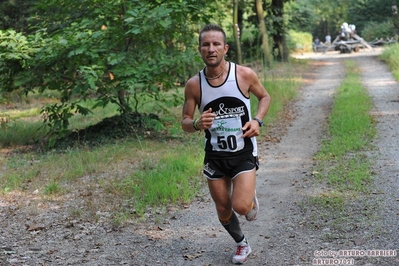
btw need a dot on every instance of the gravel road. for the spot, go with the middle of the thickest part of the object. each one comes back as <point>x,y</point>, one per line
<point>280,235</point>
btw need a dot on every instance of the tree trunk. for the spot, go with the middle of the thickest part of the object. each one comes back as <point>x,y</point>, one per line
<point>395,18</point>
<point>237,33</point>
<point>279,44</point>
<point>262,28</point>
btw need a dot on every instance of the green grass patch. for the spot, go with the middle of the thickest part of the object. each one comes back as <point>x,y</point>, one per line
<point>52,188</point>
<point>391,56</point>
<point>351,128</point>
<point>172,179</point>
<point>28,132</point>
<point>350,132</point>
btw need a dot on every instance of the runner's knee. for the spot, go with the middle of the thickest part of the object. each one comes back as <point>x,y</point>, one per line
<point>242,208</point>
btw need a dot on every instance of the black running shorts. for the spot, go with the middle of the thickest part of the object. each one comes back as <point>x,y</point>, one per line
<point>215,169</point>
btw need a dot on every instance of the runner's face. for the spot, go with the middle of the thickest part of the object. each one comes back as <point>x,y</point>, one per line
<point>212,48</point>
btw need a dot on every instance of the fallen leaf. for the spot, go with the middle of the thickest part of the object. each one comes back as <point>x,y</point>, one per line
<point>191,256</point>
<point>34,227</point>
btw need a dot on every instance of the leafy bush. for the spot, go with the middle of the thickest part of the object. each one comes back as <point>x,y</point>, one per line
<point>374,30</point>
<point>299,41</point>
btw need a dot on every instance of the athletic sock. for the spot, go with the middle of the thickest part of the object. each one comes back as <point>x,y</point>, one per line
<point>232,226</point>
<point>252,206</point>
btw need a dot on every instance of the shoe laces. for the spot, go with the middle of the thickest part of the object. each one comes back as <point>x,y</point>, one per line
<point>241,250</point>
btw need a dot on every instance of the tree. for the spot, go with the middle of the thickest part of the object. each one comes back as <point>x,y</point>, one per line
<point>262,28</point>
<point>279,43</point>
<point>300,16</point>
<point>236,31</point>
<point>362,12</point>
<point>16,14</point>
<point>395,18</point>
<point>117,52</point>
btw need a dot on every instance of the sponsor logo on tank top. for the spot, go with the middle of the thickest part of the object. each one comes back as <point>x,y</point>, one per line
<point>220,127</point>
<point>224,112</point>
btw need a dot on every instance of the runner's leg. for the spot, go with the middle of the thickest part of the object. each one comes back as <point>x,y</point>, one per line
<point>221,194</point>
<point>243,192</point>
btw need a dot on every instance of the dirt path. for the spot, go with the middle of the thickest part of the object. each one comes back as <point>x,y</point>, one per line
<point>194,236</point>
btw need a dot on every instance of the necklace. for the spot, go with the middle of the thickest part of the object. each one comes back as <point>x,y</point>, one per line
<point>218,75</point>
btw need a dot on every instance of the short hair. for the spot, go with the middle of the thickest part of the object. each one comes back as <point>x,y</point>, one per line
<point>212,27</point>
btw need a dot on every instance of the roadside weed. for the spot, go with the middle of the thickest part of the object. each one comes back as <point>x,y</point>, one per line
<point>52,188</point>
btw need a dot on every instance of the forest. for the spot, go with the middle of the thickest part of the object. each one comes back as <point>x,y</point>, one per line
<point>126,53</point>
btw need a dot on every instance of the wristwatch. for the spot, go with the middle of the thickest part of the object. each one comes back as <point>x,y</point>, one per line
<point>259,121</point>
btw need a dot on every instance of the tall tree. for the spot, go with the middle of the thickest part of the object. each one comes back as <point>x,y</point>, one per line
<point>236,31</point>
<point>278,24</point>
<point>262,28</point>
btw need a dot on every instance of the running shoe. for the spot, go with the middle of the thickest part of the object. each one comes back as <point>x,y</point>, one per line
<point>242,253</point>
<point>254,212</point>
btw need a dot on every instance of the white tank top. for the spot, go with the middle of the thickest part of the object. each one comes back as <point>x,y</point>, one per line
<point>233,110</point>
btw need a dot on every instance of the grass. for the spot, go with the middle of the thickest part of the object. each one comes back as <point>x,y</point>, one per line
<point>342,165</point>
<point>350,132</point>
<point>135,175</point>
<point>281,91</point>
<point>171,180</point>
<point>391,56</point>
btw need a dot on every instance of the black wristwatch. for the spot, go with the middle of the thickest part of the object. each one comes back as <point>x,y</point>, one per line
<point>259,121</point>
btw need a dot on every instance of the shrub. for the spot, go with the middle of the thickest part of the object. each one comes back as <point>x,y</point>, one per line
<point>374,30</point>
<point>299,41</point>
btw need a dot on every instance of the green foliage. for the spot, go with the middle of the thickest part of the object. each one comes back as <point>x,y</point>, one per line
<point>299,41</point>
<point>391,56</point>
<point>318,17</point>
<point>56,116</point>
<point>16,53</point>
<point>124,52</point>
<point>116,52</point>
<point>366,11</point>
<point>16,14</point>
<point>322,17</point>
<point>376,31</point>
<point>300,15</point>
